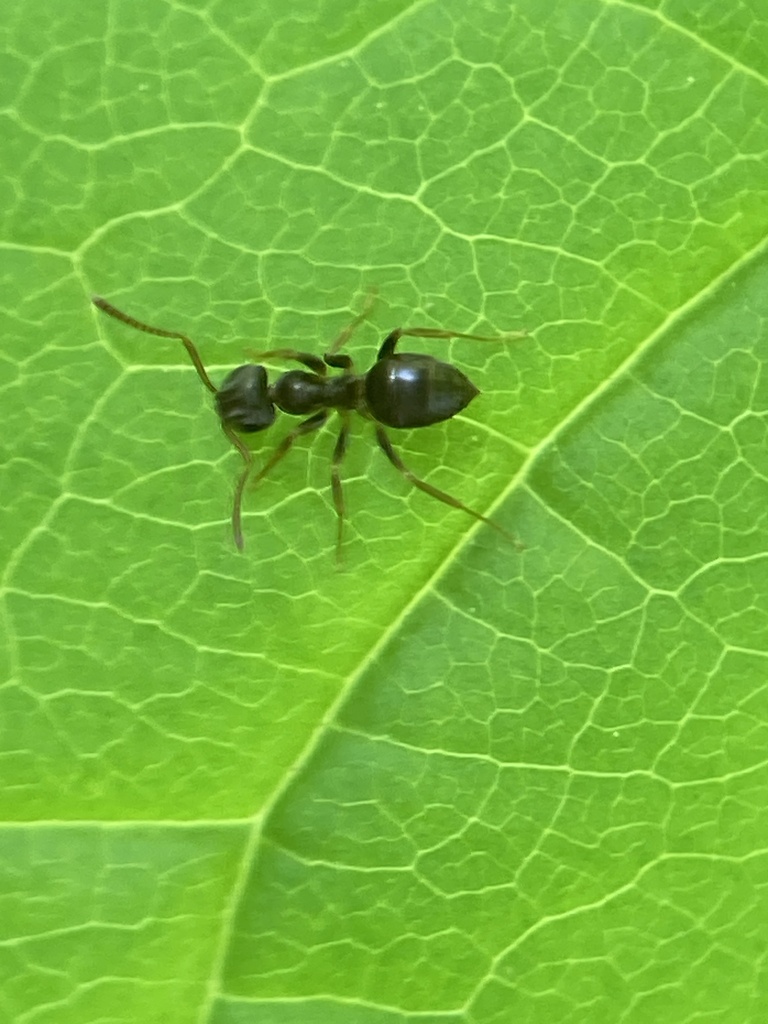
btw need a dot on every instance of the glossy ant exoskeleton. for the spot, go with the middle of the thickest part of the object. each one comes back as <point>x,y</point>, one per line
<point>401,389</point>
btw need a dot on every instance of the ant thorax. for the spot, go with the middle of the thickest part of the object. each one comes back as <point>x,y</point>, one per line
<point>299,393</point>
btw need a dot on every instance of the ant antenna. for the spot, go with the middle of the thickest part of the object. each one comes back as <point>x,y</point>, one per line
<point>194,355</point>
<point>202,373</point>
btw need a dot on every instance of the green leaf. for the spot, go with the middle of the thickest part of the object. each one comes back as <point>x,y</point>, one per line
<point>448,779</point>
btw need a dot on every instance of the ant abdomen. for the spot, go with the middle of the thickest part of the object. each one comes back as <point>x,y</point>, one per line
<point>413,390</point>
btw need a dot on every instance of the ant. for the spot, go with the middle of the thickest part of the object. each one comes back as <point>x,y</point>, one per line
<point>401,390</point>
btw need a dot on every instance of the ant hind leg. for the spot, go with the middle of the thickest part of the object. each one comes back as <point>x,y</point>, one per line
<point>389,343</point>
<point>386,446</point>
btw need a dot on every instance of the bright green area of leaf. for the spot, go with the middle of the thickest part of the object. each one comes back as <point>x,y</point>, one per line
<point>451,780</point>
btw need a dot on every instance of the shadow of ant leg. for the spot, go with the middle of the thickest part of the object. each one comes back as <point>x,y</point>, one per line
<point>346,334</point>
<point>306,427</point>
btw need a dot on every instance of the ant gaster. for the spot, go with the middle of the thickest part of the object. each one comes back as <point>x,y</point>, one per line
<point>401,389</point>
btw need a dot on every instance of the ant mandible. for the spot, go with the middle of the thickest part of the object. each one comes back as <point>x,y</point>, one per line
<point>401,389</point>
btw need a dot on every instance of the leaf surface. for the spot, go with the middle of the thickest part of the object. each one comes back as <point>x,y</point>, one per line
<point>448,778</point>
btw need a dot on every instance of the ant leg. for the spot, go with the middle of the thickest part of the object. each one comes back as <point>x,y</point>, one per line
<point>338,497</point>
<point>347,333</point>
<point>194,355</point>
<point>314,363</point>
<point>340,362</point>
<point>305,427</point>
<point>386,446</point>
<point>388,347</point>
<point>235,441</point>
<point>282,449</point>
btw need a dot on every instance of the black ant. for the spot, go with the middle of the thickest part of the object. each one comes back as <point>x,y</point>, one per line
<point>401,389</point>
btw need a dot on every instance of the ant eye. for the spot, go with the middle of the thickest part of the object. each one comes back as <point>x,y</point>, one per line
<point>243,401</point>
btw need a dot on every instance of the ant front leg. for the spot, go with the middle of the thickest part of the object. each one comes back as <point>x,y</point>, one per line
<point>386,446</point>
<point>306,427</point>
<point>314,363</point>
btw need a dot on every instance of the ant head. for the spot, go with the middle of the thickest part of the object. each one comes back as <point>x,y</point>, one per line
<point>243,400</point>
